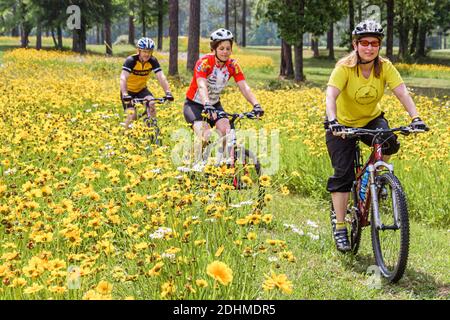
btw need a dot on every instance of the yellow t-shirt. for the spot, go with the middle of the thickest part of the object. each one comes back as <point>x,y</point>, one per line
<point>357,104</point>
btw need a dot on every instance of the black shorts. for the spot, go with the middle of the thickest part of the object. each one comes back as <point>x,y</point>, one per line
<point>141,94</point>
<point>342,154</point>
<point>193,112</point>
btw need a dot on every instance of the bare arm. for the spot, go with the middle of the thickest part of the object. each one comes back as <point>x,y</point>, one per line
<point>123,82</point>
<point>403,96</point>
<point>247,92</point>
<point>332,95</point>
<point>203,90</point>
<point>163,81</point>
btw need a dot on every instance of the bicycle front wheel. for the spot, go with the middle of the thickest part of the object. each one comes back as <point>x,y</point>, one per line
<point>245,179</point>
<point>390,241</point>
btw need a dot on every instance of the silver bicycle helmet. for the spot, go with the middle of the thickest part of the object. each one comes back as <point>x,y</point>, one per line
<point>368,28</point>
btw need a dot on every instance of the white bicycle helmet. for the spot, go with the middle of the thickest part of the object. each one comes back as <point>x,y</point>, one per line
<point>221,35</point>
<point>368,28</point>
<point>145,44</point>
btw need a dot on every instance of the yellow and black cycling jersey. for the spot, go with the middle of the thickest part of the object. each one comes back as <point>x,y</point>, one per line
<point>139,71</point>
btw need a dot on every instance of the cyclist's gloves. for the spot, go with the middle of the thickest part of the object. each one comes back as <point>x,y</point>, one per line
<point>418,124</point>
<point>210,110</point>
<point>335,126</point>
<point>169,96</point>
<point>127,99</point>
<point>257,110</point>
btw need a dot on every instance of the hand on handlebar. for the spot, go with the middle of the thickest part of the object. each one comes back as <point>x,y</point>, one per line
<point>418,124</point>
<point>127,99</point>
<point>336,128</point>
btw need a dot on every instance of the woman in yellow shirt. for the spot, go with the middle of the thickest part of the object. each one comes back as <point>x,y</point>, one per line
<point>355,87</point>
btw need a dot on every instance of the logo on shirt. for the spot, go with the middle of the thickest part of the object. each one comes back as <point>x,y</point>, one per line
<point>204,66</point>
<point>366,95</point>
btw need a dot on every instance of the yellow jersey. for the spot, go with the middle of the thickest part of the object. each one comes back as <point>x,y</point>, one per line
<point>139,72</point>
<point>357,104</point>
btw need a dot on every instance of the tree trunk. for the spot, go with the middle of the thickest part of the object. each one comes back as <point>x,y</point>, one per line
<point>351,15</point>
<point>420,52</point>
<point>298,49</point>
<point>235,21</point>
<point>194,34</point>
<point>286,65</point>
<point>39,36</point>
<point>131,34</point>
<point>54,39</point>
<point>14,31</point>
<point>227,15</point>
<point>414,34</point>
<point>97,34</point>
<point>79,39</point>
<point>390,30</point>
<point>143,23</point>
<point>173,34</point>
<point>315,46</point>
<point>330,41</point>
<point>160,25</point>
<point>244,25</point>
<point>24,33</point>
<point>403,39</point>
<point>59,35</point>
<point>108,40</point>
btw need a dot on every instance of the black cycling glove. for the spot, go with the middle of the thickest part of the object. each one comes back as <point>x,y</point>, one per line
<point>418,124</point>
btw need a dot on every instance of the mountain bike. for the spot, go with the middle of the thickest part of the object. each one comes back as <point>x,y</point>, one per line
<point>153,132</point>
<point>376,190</point>
<point>242,167</point>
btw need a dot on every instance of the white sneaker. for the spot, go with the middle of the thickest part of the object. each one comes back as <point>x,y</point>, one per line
<point>199,166</point>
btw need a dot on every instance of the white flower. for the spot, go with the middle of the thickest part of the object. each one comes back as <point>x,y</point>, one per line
<point>183,169</point>
<point>298,231</point>
<point>88,110</point>
<point>160,233</point>
<point>313,236</point>
<point>10,172</point>
<point>273,259</point>
<point>312,224</point>
<point>170,256</point>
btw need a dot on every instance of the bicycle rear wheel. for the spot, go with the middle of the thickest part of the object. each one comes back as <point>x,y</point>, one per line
<point>391,242</point>
<point>352,220</point>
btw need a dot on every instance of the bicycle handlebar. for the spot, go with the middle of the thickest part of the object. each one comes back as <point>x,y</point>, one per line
<point>143,100</point>
<point>355,132</point>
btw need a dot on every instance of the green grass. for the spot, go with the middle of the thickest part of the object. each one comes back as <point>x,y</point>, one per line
<point>321,272</point>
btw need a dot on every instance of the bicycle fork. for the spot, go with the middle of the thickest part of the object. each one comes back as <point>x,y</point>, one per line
<point>374,195</point>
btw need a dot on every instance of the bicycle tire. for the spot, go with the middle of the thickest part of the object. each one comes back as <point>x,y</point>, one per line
<point>247,164</point>
<point>391,261</point>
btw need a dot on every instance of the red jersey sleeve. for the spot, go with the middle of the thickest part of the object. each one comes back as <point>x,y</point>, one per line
<point>202,68</point>
<point>236,71</point>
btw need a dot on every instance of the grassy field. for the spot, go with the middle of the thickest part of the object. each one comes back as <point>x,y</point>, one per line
<point>88,212</point>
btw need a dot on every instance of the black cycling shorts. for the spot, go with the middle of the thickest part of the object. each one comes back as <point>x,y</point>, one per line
<point>193,112</point>
<point>140,95</point>
<point>342,154</point>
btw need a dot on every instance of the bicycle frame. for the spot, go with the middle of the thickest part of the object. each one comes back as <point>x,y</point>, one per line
<point>373,164</point>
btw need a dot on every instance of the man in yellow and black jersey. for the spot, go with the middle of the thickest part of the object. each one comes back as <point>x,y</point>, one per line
<point>133,79</point>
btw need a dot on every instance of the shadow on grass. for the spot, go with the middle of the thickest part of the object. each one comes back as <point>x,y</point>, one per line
<point>420,284</point>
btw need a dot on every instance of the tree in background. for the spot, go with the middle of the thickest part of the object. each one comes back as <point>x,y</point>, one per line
<point>194,34</point>
<point>173,34</point>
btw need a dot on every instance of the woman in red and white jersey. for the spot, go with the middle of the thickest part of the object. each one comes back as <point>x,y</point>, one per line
<point>211,74</point>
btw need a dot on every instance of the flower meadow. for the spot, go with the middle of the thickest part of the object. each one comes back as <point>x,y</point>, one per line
<point>89,211</point>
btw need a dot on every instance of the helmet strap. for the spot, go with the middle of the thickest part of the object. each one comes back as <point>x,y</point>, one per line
<point>217,57</point>
<point>365,62</point>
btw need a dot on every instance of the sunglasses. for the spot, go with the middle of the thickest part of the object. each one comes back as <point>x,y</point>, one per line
<point>146,51</point>
<point>365,43</point>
